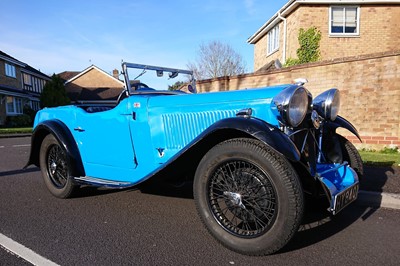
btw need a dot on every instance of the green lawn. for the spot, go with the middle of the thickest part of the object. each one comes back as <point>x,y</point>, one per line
<point>380,158</point>
<point>15,130</point>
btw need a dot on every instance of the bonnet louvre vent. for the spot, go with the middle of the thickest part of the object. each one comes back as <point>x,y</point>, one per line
<point>180,129</point>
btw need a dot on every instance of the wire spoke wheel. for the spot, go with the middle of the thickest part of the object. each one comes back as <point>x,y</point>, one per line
<point>57,166</point>
<point>242,198</point>
<point>248,196</point>
<point>54,164</point>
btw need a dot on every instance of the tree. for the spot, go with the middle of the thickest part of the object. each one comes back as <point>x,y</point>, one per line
<point>54,93</point>
<point>217,59</point>
<point>176,85</point>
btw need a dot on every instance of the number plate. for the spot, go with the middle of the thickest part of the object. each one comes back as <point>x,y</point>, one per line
<point>345,197</point>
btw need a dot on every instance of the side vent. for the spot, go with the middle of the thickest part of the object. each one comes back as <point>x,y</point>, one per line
<point>180,129</point>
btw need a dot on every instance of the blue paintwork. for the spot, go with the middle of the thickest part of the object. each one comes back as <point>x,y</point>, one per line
<point>143,132</point>
<point>131,142</point>
<point>126,145</point>
<point>338,179</point>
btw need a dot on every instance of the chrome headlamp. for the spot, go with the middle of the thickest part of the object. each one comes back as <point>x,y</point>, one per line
<point>327,104</point>
<point>292,105</point>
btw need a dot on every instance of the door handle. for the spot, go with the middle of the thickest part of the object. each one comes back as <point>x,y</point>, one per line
<point>79,129</point>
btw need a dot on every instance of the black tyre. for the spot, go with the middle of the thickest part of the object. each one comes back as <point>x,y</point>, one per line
<point>248,196</point>
<point>351,155</point>
<point>55,168</point>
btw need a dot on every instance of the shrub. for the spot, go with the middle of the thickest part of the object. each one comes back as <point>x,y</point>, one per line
<point>29,111</point>
<point>19,121</point>
<point>291,62</point>
<point>387,150</point>
<point>309,47</point>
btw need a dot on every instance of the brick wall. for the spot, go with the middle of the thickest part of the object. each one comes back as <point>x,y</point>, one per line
<point>379,31</point>
<point>94,78</point>
<point>15,83</point>
<point>369,87</point>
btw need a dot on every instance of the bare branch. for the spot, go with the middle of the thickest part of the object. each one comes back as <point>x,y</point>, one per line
<point>216,59</point>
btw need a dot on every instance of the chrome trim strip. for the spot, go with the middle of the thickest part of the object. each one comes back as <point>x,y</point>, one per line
<point>102,182</point>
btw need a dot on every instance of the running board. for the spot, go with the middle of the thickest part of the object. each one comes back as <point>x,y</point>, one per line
<point>98,182</point>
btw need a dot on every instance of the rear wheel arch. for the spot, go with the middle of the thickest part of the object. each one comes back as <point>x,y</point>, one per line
<point>63,135</point>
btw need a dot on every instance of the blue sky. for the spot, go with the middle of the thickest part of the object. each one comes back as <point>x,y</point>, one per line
<point>55,36</point>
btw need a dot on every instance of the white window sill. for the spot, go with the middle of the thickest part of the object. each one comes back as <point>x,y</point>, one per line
<point>271,53</point>
<point>344,35</point>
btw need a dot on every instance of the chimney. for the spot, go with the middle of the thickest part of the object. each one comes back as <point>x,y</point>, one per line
<point>116,73</point>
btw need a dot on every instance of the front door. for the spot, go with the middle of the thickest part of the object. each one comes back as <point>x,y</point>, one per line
<point>105,143</point>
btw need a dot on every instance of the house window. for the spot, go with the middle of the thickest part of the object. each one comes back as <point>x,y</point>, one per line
<point>344,20</point>
<point>35,105</point>
<point>273,40</point>
<point>10,70</point>
<point>27,79</point>
<point>27,82</point>
<point>14,105</point>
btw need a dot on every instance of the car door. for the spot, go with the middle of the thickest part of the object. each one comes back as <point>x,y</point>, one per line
<point>105,143</point>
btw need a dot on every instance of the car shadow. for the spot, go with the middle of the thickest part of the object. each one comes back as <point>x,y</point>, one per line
<point>318,224</point>
<point>381,179</point>
<point>19,171</point>
<point>159,187</point>
<point>90,191</point>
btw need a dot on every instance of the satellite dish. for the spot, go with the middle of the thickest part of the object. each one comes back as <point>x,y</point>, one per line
<point>278,64</point>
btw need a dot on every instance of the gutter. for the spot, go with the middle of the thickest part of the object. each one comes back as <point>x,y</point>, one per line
<point>284,37</point>
<point>289,6</point>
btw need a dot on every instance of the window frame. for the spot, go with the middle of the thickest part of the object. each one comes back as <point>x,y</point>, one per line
<point>272,47</point>
<point>10,68</point>
<point>344,34</point>
<point>35,105</point>
<point>17,108</point>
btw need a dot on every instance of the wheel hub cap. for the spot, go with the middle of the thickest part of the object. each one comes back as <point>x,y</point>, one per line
<point>53,168</point>
<point>235,198</point>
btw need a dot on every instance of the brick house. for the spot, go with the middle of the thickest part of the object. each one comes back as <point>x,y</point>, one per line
<point>92,85</point>
<point>348,28</point>
<point>20,85</point>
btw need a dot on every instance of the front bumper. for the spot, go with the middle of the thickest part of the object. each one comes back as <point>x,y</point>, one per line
<point>340,183</point>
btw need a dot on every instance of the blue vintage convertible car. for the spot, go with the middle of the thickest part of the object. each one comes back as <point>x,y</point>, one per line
<point>252,154</point>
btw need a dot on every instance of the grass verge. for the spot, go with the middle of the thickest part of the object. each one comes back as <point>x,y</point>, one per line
<point>15,130</point>
<point>374,158</point>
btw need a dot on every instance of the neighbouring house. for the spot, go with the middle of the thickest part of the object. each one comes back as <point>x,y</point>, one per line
<point>92,85</point>
<point>20,86</point>
<point>348,28</point>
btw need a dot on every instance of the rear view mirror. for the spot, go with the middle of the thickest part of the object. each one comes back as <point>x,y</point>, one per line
<point>192,89</point>
<point>173,75</point>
